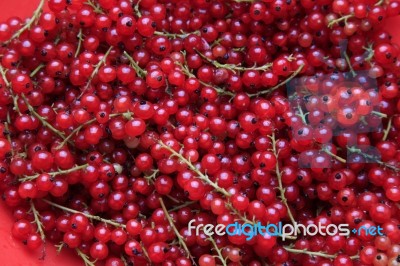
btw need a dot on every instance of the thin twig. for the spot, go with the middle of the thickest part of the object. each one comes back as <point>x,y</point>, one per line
<point>92,217</point>
<point>200,175</point>
<point>299,69</point>
<point>178,235</point>
<point>60,172</point>
<point>41,119</point>
<point>28,25</point>
<point>279,178</point>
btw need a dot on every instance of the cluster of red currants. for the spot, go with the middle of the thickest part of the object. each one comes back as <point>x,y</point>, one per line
<point>123,120</point>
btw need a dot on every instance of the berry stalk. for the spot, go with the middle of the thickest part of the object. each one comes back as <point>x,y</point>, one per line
<point>60,172</point>
<point>31,21</point>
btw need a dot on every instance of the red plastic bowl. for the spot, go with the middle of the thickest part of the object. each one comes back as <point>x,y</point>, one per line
<point>13,253</point>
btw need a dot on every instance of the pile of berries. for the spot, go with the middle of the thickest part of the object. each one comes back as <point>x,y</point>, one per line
<point>121,121</point>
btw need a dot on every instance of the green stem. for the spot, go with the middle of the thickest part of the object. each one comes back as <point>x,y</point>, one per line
<point>9,137</point>
<point>36,70</point>
<point>85,258</point>
<point>346,57</point>
<point>100,63</point>
<point>340,159</point>
<point>8,84</point>
<point>187,72</point>
<point>36,217</point>
<point>200,175</point>
<point>137,9</point>
<point>301,114</point>
<point>372,158</point>
<point>299,69</point>
<point>95,7</point>
<point>60,172</point>
<point>176,35</point>
<point>379,114</point>
<point>96,70</point>
<point>387,130</point>
<point>140,71</point>
<point>3,75</point>
<point>28,25</point>
<point>126,115</point>
<point>80,39</point>
<point>39,225</point>
<point>178,235</point>
<point>187,203</point>
<point>234,67</point>
<point>92,217</point>
<point>311,253</point>
<point>317,254</point>
<point>41,119</point>
<point>335,21</point>
<point>238,214</point>
<point>219,253</point>
<point>75,131</point>
<point>279,178</point>
<point>150,178</point>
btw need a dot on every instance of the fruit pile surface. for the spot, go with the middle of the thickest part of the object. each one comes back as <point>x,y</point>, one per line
<point>123,123</point>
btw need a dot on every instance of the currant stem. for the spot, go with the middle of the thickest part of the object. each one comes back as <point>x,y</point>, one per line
<point>369,52</point>
<point>372,158</point>
<point>59,247</point>
<point>311,253</point>
<point>187,203</point>
<point>387,130</point>
<point>346,57</point>
<point>74,132</point>
<point>279,177</point>
<point>176,35</point>
<point>36,70</point>
<point>150,178</point>
<point>379,114</point>
<point>28,25</point>
<point>335,21</point>
<point>202,176</point>
<point>39,225</point>
<point>126,115</point>
<point>178,235</point>
<point>234,67</point>
<point>100,63</point>
<point>137,10</point>
<point>380,2</point>
<point>238,214</point>
<point>95,7</point>
<point>301,114</point>
<point>3,75</point>
<point>139,71</point>
<point>8,85</point>
<point>80,39</point>
<point>36,217</point>
<point>92,217</point>
<point>219,253</point>
<point>41,119</point>
<point>96,70</point>
<point>85,258</point>
<point>299,69</point>
<point>60,172</point>
<point>8,136</point>
<point>187,72</point>
<point>340,159</point>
